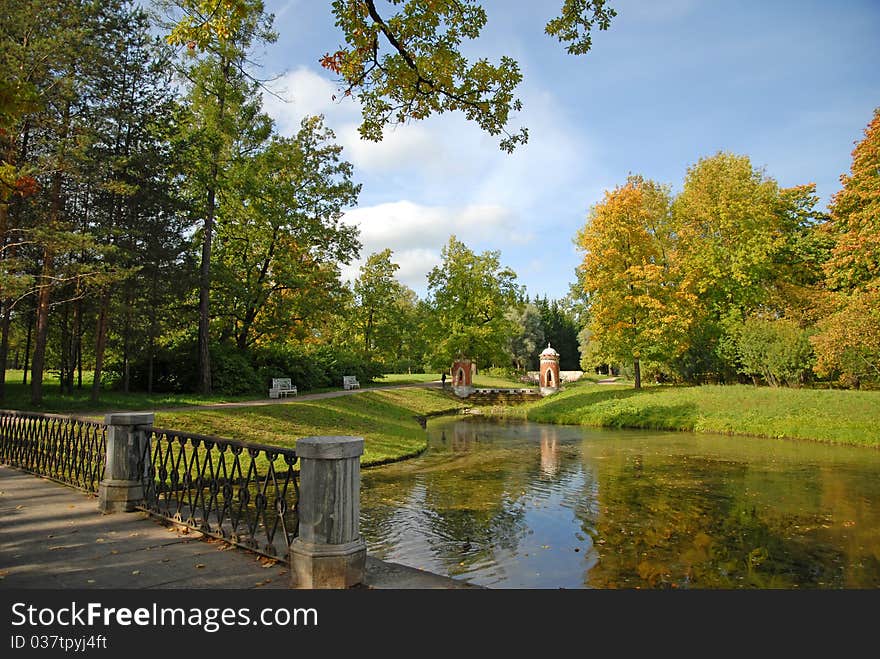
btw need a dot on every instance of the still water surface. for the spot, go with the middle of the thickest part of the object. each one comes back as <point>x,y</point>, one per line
<point>524,505</point>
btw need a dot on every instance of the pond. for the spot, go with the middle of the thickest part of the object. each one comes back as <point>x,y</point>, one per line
<point>525,505</point>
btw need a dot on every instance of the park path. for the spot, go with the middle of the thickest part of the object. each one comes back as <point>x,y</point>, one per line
<point>53,536</point>
<point>294,399</point>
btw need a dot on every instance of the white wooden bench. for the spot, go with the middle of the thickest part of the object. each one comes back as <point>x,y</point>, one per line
<point>350,382</point>
<point>282,387</point>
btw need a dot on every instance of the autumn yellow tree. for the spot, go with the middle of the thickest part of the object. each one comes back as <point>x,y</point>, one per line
<point>848,343</point>
<point>626,277</point>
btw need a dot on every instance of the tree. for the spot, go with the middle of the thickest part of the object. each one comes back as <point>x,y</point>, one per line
<point>848,342</point>
<point>626,276</point>
<point>376,293</point>
<point>798,263</point>
<point>775,349</point>
<point>729,232</point>
<point>855,219</point>
<point>528,336</point>
<point>280,235</point>
<point>559,322</point>
<point>222,97</point>
<point>469,295</point>
<point>58,53</point>
<point>408,64</point>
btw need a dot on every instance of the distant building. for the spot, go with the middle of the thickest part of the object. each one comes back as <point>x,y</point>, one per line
<point>548,378</point>
<point>462,377</point>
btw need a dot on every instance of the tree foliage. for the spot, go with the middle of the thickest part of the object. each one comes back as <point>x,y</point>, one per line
<point>777,350</point>
<point>626,275</point>
<point>469,297</point>
<point>855,219</point>
<point>404,60</point>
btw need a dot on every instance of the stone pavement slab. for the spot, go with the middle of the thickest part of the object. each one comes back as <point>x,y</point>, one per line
<point>53,536</point>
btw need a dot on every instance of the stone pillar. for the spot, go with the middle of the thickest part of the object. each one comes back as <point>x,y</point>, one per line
<point>329,551</point>
<point>122,489</point>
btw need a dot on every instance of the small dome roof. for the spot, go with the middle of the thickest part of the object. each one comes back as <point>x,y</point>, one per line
<point>549,351</point>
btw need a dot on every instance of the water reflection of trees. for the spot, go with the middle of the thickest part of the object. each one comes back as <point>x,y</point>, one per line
<point>661,512</point>
<point>668,521</point>
<point>476,485</point>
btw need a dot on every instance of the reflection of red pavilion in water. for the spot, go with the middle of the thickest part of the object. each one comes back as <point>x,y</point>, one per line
<point>549,452</point>
<point>549,373</point>
<point>462,377</point>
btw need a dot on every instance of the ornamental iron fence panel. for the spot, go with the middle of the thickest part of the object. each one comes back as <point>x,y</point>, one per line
<point>241,492</point>
<point>67,450</point>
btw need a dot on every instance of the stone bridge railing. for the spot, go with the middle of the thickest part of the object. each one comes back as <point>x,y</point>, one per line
<point>300,506</point>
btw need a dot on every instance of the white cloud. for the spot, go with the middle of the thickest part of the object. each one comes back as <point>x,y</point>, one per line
<point>426,180</point>
<point>304,93</point>
<point>416,233</point>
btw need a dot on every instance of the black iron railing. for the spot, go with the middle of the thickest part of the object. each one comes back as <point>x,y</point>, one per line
<point>242,492</point>
<point>67,450</point>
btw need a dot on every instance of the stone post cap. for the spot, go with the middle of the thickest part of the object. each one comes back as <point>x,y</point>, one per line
<point>330,447</point>
<point>130,419</point>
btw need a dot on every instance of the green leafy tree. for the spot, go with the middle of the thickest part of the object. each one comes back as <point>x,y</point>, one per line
<point>469,296</point>
<point>404,60</point>
<point>799,263</point>
<point>729,232</point>
<point>560,325</point>
<point>222,99</point>
<point>775,349</point>
<point>528,336</point>
<point>376,293</point>
<point>281,235</point>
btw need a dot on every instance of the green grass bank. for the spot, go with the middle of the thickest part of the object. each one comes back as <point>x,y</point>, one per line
<point>387,420</point>
<point>833,416</point>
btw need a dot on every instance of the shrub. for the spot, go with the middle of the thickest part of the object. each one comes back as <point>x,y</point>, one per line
<point>777,350</point>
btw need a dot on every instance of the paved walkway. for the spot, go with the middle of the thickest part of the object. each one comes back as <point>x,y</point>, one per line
<point>53,536</point>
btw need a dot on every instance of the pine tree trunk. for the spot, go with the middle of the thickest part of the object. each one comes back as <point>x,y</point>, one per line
<point>27,348</point>
<point>638,373</point>
<point>4,345</point>
<point>204,297</point>
<point>64,351</point>
<point>126,345</point>
<point>100,344</point>
<point>41,327</point>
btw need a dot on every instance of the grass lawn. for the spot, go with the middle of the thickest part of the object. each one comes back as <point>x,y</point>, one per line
<point>493,382</point>
<point>18,397</point>
<point>385,419</point>
<point>841,417</point>
<point>404,378</point>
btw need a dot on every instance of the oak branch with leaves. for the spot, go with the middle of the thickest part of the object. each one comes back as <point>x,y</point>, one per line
<point>402,59</point>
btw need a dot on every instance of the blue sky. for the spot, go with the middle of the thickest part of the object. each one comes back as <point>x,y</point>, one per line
<point>790,84</point>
